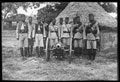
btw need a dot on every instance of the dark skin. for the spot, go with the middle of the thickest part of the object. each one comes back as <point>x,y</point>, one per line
<point>22,21</point>
<point>53,22</point>
<point>77,22</point>
<point>61,21</point>
<point>30,20</point>
<point>91,18</point>
<point>66,20</point>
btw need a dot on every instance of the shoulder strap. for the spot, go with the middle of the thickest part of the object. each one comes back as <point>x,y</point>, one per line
<point>94,24</point>
<point>53,27</point>
<point>67,29</point>
<point>19,25</point>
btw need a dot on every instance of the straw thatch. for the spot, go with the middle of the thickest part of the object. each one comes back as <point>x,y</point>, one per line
<point>84,8</point>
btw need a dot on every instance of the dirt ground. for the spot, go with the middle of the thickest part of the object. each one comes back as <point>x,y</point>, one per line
<point>14,68</point>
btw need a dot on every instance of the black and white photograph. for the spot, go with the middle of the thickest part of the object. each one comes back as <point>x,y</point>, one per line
<point>59,41</point>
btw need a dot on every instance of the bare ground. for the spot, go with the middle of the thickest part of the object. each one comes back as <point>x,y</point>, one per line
<point>14,68</point>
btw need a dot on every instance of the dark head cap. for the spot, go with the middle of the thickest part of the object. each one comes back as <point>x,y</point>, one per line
<point>66,19</point>
<point>91,14</point>
<point>91,17</point>
<point>54,21</point>
<point>61,20</point>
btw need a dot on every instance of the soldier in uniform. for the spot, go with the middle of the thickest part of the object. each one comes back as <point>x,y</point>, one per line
<point>78,36</point>
<point>60,28</point>
<point>45,31</point>
<point>66,32</point>
<point>39,45</point>
<point>22,36</point>
<point>53,33</point>
<point>92,37</point>
<point>30,35</point>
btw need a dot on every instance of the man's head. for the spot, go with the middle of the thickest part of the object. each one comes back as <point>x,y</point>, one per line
<point>61,20</point>
<point>30,19</point>
<point>22,20</point>
<point>78,19</point>
<point>39,22</point>
<point>91,17</point>
<point>54,21</point>
<point>43,20</point>
<point>66,20</point>
<point>76,14</point>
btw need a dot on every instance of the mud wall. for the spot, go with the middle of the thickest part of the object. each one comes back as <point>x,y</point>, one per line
<point>108,40</point>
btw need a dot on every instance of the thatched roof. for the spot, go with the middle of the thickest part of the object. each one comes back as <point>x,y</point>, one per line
<point>84,8</point>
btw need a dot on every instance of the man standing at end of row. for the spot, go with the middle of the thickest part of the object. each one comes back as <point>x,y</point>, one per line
<point>92,37</point>
<point>30,35</point>
<point>22,36</point>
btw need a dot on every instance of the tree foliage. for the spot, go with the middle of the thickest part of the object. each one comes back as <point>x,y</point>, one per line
<point>108,6</point>
<point>11,7</point>
<point>49,12</point>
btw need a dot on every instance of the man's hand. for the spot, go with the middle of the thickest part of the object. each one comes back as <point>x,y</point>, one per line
<point>97,40</point>
<point>17,38</point>
<point>98,43</point>
<point>33,39</point>
<point>85,42</point>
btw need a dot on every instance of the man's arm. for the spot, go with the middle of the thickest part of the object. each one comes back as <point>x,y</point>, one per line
<point>98,32</point>
<point>84,32</point>
<point>49,30</point>
<point>34,29</point>
<point>84,36</point>
<point>98,37</point>
<point>17,32</point>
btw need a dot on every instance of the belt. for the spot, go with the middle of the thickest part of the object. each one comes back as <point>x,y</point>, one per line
<point>66,32</point>
<point>78,38</point>
<point>38,32</point>
<point>23,31</point>
<point>91,40</point>
<point>89,32</point>
<point>78,31</point>
<point>53,31</point>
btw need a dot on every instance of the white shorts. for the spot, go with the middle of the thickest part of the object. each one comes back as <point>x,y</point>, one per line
<point>23,40</point>
<point>91,44</point>
<point>39,40</point>
<point>78,43</point>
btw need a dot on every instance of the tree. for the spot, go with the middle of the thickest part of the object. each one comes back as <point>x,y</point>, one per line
<point>10,8</point>
<point>50,12</point>
<point>108,6</point>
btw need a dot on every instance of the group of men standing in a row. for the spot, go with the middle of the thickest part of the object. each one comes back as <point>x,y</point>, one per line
<point>32,35</point>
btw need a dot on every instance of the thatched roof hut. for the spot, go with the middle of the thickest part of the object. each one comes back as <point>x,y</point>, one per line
<point>84,8</point>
